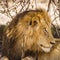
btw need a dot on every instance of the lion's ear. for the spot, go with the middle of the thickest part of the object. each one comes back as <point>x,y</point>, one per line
<point>35,20</point>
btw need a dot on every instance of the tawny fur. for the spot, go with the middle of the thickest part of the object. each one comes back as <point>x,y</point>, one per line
<point>28,31</point>
<point>54,54</point>
<point>4,58</point>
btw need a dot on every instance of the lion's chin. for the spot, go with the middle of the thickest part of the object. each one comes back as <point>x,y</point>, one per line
<point>46,49</point>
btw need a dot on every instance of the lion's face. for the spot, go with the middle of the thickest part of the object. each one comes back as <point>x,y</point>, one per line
<point>34,32</point>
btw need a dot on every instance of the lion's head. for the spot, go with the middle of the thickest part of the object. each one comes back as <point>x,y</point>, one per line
<point>34,28</point>
<point>29,30</point>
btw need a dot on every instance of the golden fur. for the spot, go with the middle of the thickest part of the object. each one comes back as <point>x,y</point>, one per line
<point>28,31</point>
<point>54,54</point>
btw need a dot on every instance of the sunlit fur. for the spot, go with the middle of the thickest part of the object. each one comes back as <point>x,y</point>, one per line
<point>28,31</point>
<point>54,54</point>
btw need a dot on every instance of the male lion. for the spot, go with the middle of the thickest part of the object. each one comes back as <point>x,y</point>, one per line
<point>27,34</point>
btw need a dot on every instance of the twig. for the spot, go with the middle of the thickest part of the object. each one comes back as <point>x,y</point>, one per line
<point>49,5</point>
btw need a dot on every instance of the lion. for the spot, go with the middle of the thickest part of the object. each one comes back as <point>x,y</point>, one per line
<point>28,34</point>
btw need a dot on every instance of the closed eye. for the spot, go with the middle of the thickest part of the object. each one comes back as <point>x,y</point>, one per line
<point>46,32</point>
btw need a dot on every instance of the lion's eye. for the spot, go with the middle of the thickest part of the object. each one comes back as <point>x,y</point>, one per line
<point>45,31</point>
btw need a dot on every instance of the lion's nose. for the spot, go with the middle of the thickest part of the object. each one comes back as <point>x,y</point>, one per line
<point>52,42</point>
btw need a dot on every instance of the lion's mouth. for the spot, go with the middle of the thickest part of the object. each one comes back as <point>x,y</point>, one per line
<point>46,49</point>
